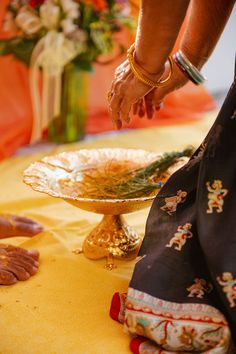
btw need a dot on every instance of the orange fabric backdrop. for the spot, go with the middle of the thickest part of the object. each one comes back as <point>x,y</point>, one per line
<point>16,111</point>
<point>15,106</point>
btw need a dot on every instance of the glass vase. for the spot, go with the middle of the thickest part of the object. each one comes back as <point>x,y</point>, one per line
<point>69,125</point>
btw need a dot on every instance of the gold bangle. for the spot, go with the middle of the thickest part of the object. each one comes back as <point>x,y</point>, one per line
<point>140,76</point>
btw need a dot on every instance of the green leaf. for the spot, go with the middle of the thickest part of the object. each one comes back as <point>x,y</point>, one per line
<point>4,49</point>
<point>84,65</point>
<point>129,23</point>
<point>21,48</point>
<point>111,3</point>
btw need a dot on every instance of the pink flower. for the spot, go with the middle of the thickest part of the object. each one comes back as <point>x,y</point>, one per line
<point>35,3</point>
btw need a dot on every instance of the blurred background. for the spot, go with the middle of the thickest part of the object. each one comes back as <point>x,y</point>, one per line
<point>220,68</point>
<point>57,64</point>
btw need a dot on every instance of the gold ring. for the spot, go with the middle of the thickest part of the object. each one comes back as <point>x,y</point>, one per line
<point>109,96</point>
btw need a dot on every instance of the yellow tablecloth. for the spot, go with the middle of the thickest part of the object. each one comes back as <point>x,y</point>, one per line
<point>64,308</point>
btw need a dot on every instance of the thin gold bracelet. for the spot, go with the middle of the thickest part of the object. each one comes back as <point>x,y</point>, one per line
<point>140,76</point>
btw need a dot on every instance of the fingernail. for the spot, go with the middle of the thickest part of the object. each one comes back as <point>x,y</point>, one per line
<point>34,270</point>
<point>38,228</point>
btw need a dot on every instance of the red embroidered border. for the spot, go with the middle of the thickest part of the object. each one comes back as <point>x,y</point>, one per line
<point>130,307</point>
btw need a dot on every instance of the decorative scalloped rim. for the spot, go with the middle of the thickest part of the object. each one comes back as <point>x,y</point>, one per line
<point>27,175</point>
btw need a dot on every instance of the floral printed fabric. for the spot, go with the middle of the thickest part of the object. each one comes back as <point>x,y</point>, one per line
<point>182,296</point>
<point>176,327</point>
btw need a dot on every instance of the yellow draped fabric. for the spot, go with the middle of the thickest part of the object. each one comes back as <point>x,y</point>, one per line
<point>64,308</point>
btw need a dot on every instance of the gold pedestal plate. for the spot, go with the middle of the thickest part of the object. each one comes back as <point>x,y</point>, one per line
<point>112,237</point>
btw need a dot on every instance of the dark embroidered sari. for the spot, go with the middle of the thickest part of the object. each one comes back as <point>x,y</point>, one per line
<point>182,296</point>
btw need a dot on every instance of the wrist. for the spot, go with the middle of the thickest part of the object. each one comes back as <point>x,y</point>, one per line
<point>148,67</point>
<point>198,60</point>
<point>142,75</point>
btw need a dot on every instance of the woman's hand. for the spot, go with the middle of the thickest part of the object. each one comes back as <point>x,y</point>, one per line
<point>126,89</point>
<point>13,225</point>
<point>153,101</point>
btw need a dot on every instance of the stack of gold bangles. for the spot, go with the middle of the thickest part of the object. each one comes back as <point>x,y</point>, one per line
<point>140,76</point>
<point>181,61</point>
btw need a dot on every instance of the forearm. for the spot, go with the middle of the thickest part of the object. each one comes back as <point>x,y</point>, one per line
<point>159,25</point>
<point>205,23</point>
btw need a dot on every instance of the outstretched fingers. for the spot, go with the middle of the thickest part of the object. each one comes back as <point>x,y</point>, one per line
<point>125,90</point>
